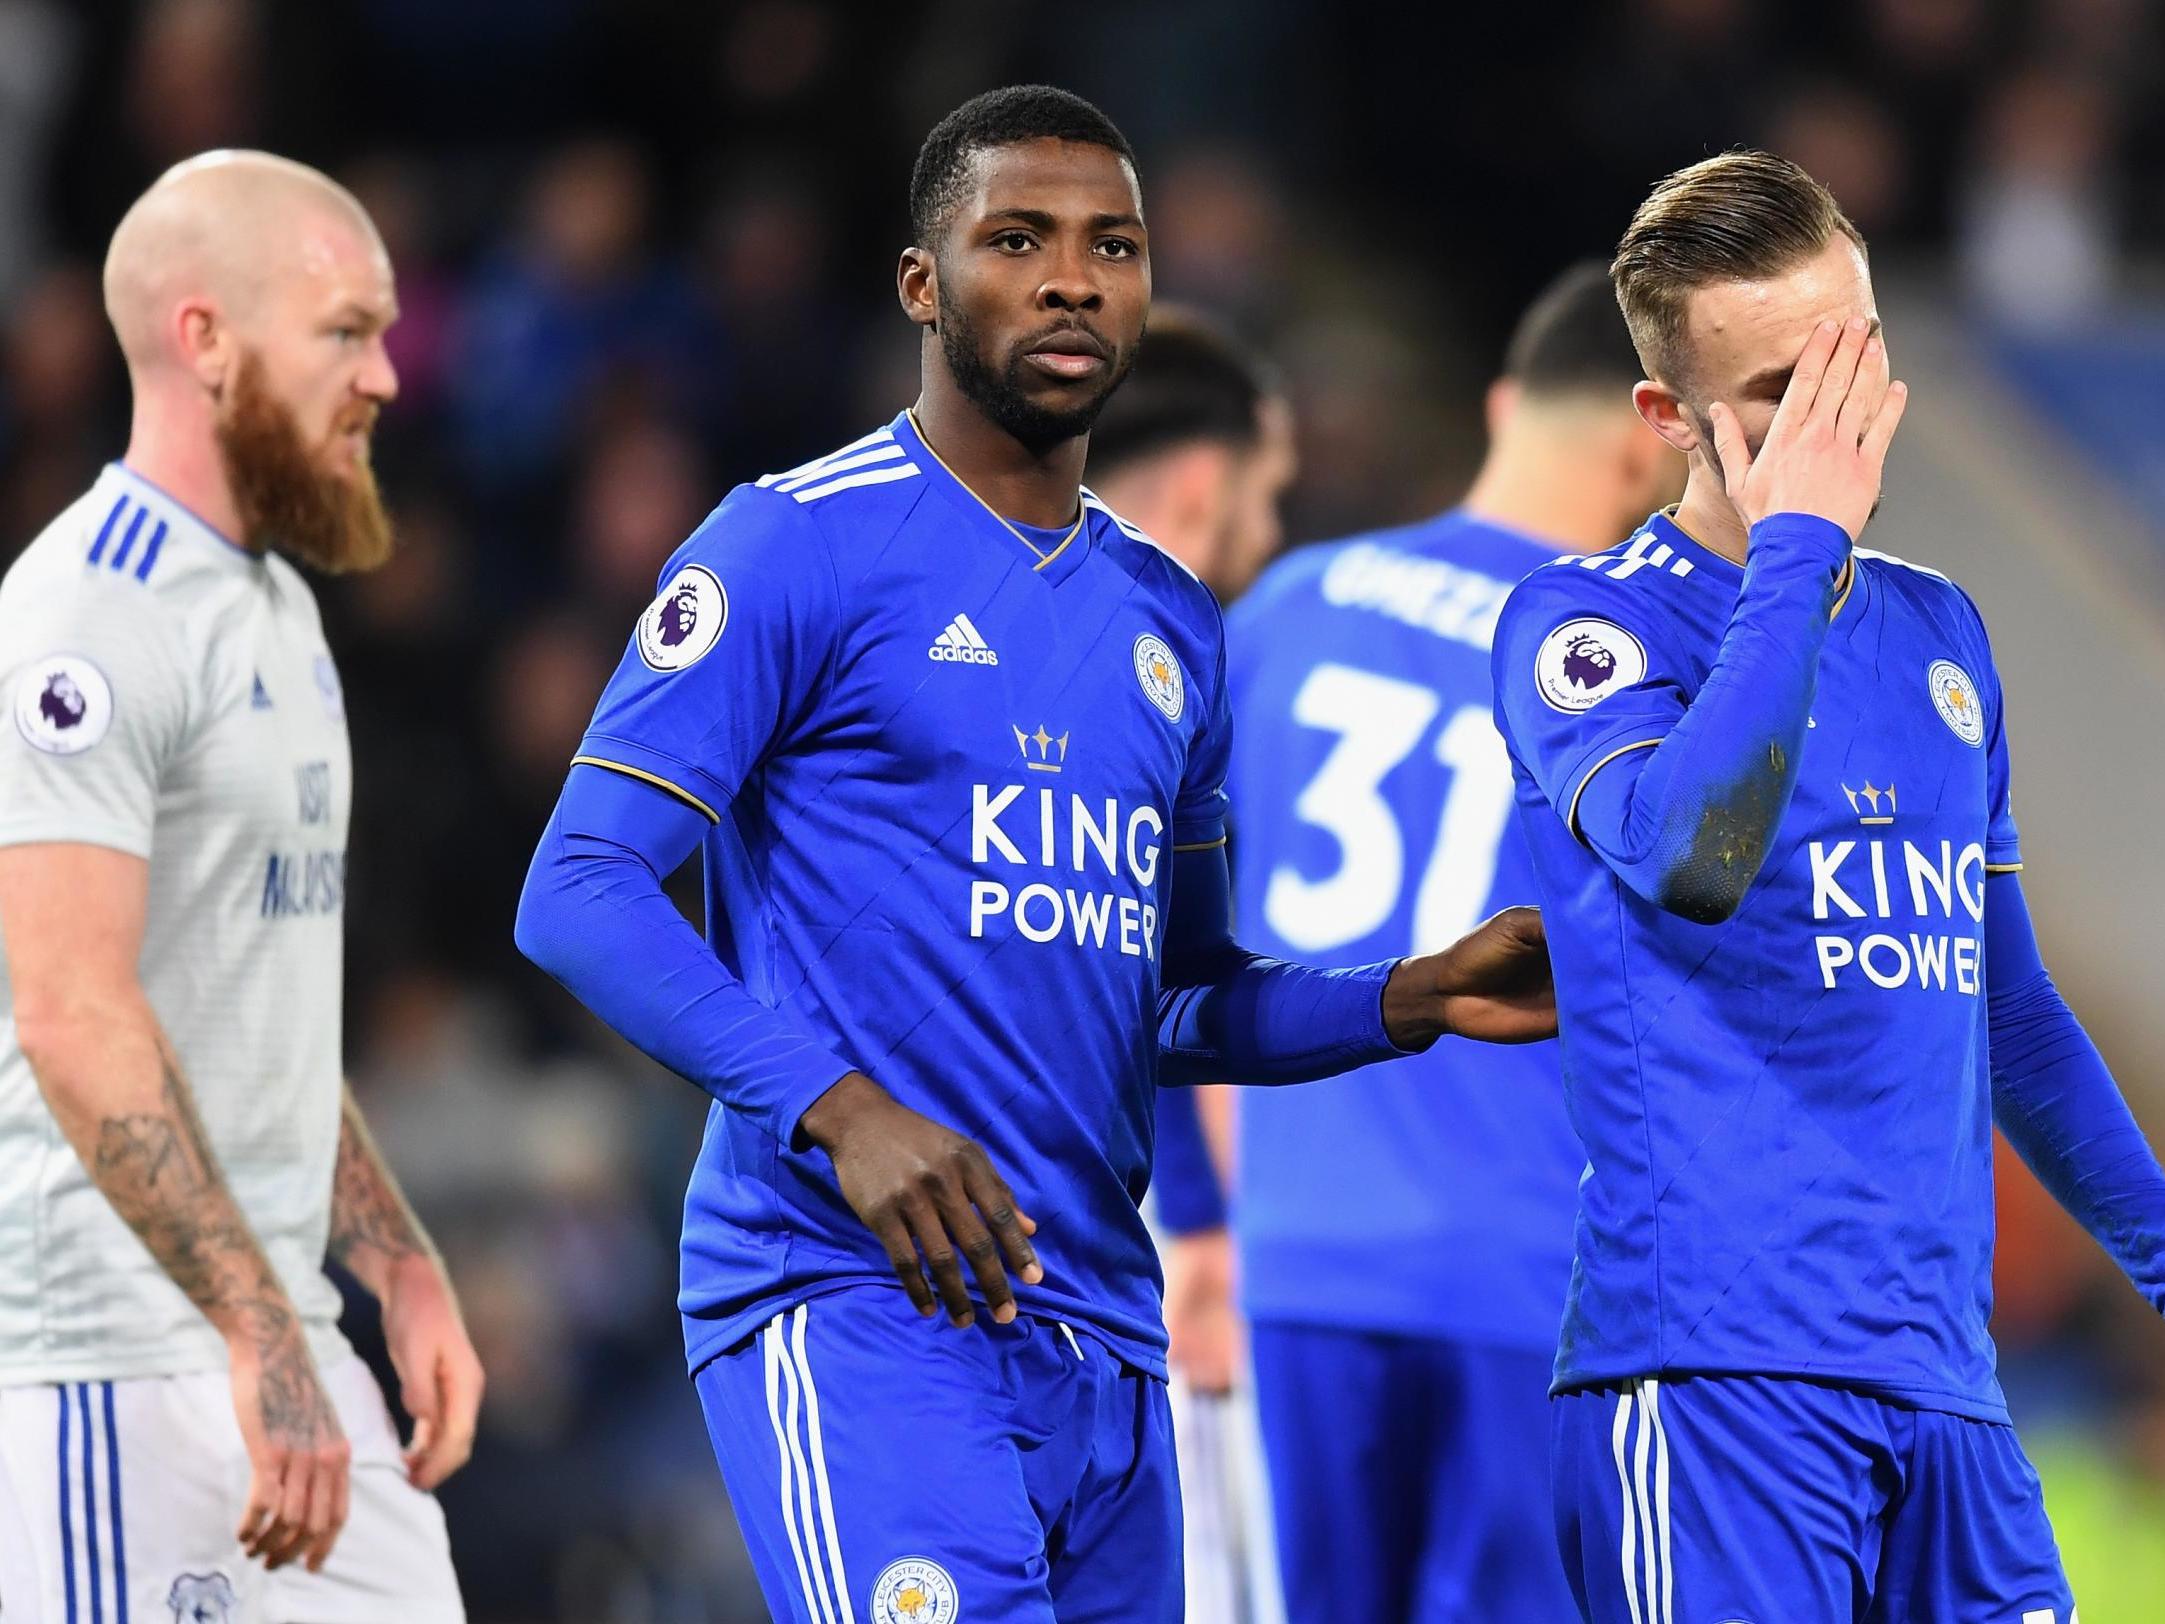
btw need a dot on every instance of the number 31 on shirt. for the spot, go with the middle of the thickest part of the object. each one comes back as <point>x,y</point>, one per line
<point>1380,722</point>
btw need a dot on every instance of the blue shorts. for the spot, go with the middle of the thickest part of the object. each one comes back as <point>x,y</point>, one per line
<point>1410,1476</point>
<point>1760,1500</point>
<point>889,1469</point>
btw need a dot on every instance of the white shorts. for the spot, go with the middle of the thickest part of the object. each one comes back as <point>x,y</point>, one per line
<point>1230,1547</point>
<point>119,1500</point>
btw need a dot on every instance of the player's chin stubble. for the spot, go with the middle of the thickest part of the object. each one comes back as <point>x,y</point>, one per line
<point>1000,393</point>
<point>331,522</point>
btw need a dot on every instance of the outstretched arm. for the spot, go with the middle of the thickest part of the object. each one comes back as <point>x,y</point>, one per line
<point>2056,1101</point>
<point>1226,1014</point>
<point>376,1238</point>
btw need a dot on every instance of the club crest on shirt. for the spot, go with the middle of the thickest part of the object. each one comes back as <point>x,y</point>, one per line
<point>915,1590</point>
<point>201,1598</point>
<point>1159,674</point>
<point>63,704</point>
<point>1582,662</point>
<point>1954,696</point>
<point>684,621</point>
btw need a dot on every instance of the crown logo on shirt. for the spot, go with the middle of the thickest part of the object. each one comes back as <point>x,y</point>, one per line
<point>1042,751</point>
<point>1871,796</point>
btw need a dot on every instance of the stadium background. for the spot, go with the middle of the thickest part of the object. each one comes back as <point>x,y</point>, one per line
<point>646,249</point>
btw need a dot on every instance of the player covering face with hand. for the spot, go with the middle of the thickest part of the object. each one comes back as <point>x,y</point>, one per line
<point>181,1425</point>
<point>1763,774</point>
<point>951,738</point>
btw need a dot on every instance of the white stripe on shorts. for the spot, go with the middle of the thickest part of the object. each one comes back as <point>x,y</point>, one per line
<point>819,1466</point>
<point>1630,1546</point>
<point>1643,1491</point>
<point>770,1347</point>
<point>1661,1501</point>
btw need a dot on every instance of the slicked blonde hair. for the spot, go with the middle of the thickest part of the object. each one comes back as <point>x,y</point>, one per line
<point>1740,217</point>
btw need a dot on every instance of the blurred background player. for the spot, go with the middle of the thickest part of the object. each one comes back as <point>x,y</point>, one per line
<point>1764,776</point>
<point>1196,450</point>
<point>953,740</point>
<point>1200,439</point>
<point>180,1419</point>
<point>1403,1342</point>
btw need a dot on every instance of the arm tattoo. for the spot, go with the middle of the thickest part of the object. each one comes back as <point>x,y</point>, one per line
<point>157,1169</point>
<point>371,1225</point>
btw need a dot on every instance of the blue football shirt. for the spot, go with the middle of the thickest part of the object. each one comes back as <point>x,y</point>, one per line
<point>1787,1115</point>
<point>948,761</point>
<point>1432,1195</point>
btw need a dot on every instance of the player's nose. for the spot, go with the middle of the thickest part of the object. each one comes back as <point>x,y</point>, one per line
<point>1070,285</point>
<point>379,378</point>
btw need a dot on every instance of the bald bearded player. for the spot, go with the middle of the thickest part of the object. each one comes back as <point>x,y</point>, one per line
<point>183,1431</point>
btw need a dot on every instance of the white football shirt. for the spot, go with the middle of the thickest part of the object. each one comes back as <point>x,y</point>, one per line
<point>170,694</point>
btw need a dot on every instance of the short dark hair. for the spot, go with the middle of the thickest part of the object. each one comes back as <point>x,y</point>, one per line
<point>1191,382</point>
<point>1572,340</point>
<point>1740,217</point>
<point>998,118</point>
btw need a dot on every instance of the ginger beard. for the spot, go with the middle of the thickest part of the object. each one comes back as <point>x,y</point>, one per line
<point>287,496</point>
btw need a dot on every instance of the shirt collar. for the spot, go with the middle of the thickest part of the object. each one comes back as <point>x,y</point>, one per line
<point>1053,563</point>
<point>122,480</point>
<point>1663,527</point>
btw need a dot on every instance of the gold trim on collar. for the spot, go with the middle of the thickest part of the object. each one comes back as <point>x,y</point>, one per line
<point>1042,558</point>
<point>1846,585</point>
<point>1843,586</point>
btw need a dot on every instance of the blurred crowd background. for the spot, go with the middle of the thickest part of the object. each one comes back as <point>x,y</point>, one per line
<point>646,249</point>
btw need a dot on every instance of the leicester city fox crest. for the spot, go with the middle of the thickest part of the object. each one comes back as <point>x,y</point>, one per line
<point>915,1590</point>
<point>202,1598</point>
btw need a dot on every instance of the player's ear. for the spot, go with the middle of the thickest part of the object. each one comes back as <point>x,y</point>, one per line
<point>1203,484</point>
<point>1652,472</point>
<point>1501,401</point>
<point>205,341</point>
<point>917,285</point>
<point>1191,493</point>
<point>1660,408</point>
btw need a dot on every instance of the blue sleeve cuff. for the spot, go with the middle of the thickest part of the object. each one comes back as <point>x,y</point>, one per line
<point>1273,1022</point>
<point>1806,532</point>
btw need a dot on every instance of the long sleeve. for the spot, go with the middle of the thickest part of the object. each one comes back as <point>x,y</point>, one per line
<point>1226,1015</point>
<point>595,916</point>
<point>2057,1103</point>
<point>1677,792</point>
<point>1182,1177</point>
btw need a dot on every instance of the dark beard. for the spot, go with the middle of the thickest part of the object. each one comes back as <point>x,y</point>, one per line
<point>331,522</point>
<point>1000,394</point>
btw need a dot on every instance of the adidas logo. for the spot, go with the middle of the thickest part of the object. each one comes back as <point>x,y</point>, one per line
<point>961,645</point>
